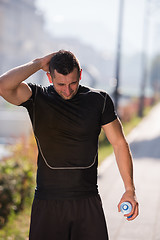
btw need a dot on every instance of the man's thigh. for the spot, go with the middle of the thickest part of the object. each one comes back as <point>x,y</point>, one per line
<point>70,219</point>
<point>90,223</point>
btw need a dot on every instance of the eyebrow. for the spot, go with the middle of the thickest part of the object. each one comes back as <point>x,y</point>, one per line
<point>70,83</point>
<point>61,83</point>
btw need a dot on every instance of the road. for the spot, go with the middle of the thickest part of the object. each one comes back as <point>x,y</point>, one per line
<point>4,152</point>
<point>144,142</point>
<point>14,123</point>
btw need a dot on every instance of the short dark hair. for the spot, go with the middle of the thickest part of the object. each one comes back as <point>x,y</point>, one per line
<point>64,62</point>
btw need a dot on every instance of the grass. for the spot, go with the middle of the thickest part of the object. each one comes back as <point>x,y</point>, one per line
<point>18,225</point>
<point>127,127</point>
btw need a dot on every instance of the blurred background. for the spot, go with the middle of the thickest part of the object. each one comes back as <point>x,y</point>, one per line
<point>117,43</point>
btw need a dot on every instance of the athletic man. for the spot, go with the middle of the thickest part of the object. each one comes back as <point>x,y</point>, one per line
<point>67,119</point>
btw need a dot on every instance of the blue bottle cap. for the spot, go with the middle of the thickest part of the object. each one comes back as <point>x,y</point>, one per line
<point>126,208</point>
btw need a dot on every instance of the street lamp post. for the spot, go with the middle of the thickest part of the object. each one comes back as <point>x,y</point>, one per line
<point>118,53</point>
<point>144,59</point>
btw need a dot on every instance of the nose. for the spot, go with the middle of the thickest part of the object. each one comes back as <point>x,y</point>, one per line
<point>68,91</point>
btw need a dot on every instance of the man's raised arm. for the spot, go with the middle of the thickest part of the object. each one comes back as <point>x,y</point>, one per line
<point>12,86</point>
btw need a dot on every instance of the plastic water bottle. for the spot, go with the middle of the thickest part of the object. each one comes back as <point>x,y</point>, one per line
<point>126,208</point>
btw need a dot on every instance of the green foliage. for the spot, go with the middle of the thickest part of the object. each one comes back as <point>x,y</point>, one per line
<point>17,227</point>
<point>16,181</point>
<point>105,148</point>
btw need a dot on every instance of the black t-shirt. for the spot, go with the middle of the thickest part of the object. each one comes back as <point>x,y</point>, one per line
<point>67,133</point>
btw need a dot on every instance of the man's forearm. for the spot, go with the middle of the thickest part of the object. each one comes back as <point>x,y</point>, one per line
<point>11,79</point>
<point>125,165</point>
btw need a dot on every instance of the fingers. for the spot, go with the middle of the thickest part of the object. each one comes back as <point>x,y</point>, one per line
<point>119,210</point>
<point>134,213</point>
<point>46,60</point>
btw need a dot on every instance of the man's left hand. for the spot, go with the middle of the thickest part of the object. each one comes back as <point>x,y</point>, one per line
<point>129,196</point>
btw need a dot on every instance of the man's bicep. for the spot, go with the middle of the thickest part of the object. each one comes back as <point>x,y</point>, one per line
<point>114,131</point>
<point>19,95</point>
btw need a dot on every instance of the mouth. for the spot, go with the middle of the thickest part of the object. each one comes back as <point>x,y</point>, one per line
<point>66,97</point>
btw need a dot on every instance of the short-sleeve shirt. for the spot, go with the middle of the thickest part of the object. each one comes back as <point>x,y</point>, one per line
<point>66,133</point>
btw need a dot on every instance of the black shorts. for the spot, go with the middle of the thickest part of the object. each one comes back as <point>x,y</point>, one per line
<point>68,219</point>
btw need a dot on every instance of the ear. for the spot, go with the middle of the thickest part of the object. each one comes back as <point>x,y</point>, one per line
<point>49,77</point>
<point>80,75</point>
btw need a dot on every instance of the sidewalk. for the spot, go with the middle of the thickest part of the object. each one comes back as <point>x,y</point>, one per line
<point>144,141</point>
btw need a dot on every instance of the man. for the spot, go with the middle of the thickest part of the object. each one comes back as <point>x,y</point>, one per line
<point>67,119</point>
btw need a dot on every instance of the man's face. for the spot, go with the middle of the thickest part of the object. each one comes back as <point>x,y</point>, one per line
<point>66,85</point>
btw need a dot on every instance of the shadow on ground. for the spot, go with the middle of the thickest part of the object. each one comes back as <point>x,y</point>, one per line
<point>146,148</point>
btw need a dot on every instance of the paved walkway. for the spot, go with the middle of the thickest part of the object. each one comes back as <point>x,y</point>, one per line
<point>145,146</point>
